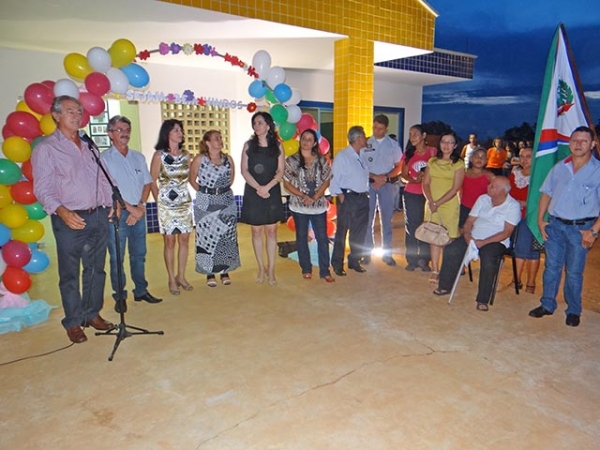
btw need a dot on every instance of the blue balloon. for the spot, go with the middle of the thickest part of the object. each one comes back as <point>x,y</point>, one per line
<point>283,92</point>
<point>136,75</point>
<point>4,234</point>
<point>257,89</point>
<point>38,263</point>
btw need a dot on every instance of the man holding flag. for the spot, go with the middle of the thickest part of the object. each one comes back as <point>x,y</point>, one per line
<point>562,110</point>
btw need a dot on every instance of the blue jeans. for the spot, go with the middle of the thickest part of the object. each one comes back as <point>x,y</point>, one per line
<point>134,237</point>
<point>382,199</point>
<point>319,225</point>
<point>76,248</point>
<point>564,249</point>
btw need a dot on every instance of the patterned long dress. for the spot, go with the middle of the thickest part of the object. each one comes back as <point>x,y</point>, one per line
<point>174,201</point>
<point>216,219</point>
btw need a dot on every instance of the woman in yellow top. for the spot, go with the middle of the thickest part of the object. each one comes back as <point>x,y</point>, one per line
<point>442,181</point>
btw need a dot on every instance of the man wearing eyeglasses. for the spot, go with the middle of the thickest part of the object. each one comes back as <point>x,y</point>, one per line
<point>130,171</point>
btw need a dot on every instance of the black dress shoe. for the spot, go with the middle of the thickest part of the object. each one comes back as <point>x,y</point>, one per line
<point>572,320</point>
<point>148,297</point>
<point>366,260</point>
<point>358,268</point>
<point>389,261</point>
<point>540,311</point>
<point>424,266</point>
<point>339,272</point>
<point>118,306</point>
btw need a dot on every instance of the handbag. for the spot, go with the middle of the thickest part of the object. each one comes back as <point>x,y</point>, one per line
<point>433,233</point>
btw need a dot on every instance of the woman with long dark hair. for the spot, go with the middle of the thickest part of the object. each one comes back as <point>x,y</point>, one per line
<point>306,178</point>
<point>170,170</point>
<point>262,167</point>
<point>442,182</point>
<point>414,161</point>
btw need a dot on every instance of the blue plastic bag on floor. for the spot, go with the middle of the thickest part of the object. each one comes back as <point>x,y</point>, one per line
<point>13,319</point>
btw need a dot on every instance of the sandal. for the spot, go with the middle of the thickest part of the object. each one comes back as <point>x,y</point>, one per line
<point>307,276</point>
<point>482,307</point>
<point>439,291</point>
<point>530,288</point>
<point>185,286</point>
<point>225,279</point>
<point>519,285</point>
<point>433,278</point>
<point>211,281</point>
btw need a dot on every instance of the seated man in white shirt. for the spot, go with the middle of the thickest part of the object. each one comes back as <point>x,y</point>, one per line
<point>490,224</point>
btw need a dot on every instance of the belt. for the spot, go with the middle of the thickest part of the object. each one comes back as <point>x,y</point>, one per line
<point>351,192</point>
<point>213,191</point>
<point>88,211</point>
<point>574,222</point>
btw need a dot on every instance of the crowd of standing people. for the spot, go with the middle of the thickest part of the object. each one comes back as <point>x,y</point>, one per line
<point>478,195</point>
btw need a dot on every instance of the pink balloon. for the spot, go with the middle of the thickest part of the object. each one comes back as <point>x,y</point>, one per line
<point>97,83</point>
<point>39,98</point>
<point>23,124</point>
<point>85,118</point>
<point>50,84</point>
<point>314,125</point>
<point>92,103</point>
<point>16,253</point>
<point>6,132</point>
<point>305,122</point>
<point>323,146</point>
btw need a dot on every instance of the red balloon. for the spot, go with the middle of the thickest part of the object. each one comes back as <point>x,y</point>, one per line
<point>16,280</point>
<point>23,124</point>
<point>6,132</point>
<point>323,146</point>
<point>331,211</point>
<point>331,227</point>
<point>92,103</point>
<point>22,192</point>
<point>97,83</point>
<point>49,83</point>
<point>305,122</point>
<point>85,119</point>
<point>39,98</point>
<point>291,224</point>
<point>314,125</point>
<point>16,253</point>
<point>27,170</point>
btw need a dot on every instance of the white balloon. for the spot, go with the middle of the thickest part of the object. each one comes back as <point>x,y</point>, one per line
<point>294,113</point>
<point>99,59</point>
<point>275,76</point>
<point>294,99</point>
<point>119,83</point>
<point>261,62</point>
<point>65,86</point>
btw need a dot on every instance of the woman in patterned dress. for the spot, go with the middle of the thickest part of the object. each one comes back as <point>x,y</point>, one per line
<point>170,170</point>
<point>215,214</point>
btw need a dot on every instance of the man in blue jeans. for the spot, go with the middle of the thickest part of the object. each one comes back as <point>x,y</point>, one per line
<point>130,172</point>
<point>571,197</point>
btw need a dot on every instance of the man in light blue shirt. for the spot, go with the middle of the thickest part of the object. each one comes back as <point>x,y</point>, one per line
<point>571,197</point>
<point>130,172</point>
<point>382,158</point>
<point>350,182</point>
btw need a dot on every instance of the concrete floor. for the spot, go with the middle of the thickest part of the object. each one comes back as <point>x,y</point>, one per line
<point>374,361</point>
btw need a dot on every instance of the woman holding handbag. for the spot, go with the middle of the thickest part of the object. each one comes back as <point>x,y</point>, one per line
<point>442,182</point>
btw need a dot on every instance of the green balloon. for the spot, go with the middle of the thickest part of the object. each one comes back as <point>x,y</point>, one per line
<point>287,130</point>
<point>10,172</point>
<point>279,114</point>
<point>270,96</point>
<point>35,211</point>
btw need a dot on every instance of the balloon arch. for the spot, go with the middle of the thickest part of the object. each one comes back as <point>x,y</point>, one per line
<point>101,74</point>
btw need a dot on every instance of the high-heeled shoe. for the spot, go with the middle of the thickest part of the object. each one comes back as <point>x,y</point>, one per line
<point>184,286</point>
<point>174,291</point>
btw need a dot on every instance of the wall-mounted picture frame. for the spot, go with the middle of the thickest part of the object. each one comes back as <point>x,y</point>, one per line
<point>98,129</point>
<point>100,118</point>
<point>101,141</point>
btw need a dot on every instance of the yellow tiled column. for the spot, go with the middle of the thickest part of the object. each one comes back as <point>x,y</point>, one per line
<point>353,88</point>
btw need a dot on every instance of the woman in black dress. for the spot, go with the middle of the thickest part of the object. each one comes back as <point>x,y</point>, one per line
<point>263,162</point>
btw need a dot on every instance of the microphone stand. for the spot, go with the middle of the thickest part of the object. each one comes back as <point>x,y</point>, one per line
<point>121,330</point>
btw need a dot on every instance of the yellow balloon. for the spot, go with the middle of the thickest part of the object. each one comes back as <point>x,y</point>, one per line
<point>77,66</point>
<point>5,197</point>
<point>122,52</point>
<point>47,124</point>
<point>22,106</point>
<point>13,216</point>
<point>16,149</point>
<point>290,146</point>
<point>32,231</point>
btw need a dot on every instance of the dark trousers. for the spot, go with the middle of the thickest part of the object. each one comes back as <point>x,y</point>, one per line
<point>319,225</point>
<point>352,219</point>
<point>75,248</point>
<point>414,213</point>
<point>490,256</point>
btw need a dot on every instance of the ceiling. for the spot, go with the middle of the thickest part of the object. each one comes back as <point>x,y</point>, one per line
<point>66,26</point>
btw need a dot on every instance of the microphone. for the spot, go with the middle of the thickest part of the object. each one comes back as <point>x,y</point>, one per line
<point>88,140</point>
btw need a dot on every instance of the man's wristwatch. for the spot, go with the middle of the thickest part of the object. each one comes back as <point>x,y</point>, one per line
<point>594,233</point>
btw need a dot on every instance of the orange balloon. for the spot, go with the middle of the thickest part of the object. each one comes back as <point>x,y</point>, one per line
<point>291,224</point>
<point>331,228</point>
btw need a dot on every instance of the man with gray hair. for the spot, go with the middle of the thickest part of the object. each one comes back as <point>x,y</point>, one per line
<point>489,225</point>
<point>350,182</point>
<point>130,171</point>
